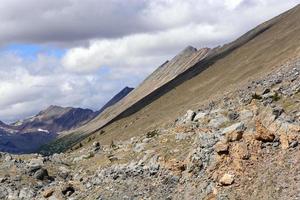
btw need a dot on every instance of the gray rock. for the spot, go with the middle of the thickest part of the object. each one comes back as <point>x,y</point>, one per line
<point>35,164</point>
<point>26,193</point>
<point>294,144</point>
<point>139,147</point>
<point>41,174</point>
<point>233,116</point>
<point>238,127</point>
<point>63,172</point>
<point>246,115</point>
<point>154,165</point>
<point>199,116</point>
<point>188,117</point>
<point>183,136</point>
<point>217,121</point>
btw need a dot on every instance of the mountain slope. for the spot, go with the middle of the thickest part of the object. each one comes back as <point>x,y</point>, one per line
<point>257,52</point>
<point>123,93</point>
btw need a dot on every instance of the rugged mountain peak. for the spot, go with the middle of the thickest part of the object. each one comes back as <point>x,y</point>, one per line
<point>53,110</point>
<point>126,89</point>
<point>124,92</point>
<point>188,50</point>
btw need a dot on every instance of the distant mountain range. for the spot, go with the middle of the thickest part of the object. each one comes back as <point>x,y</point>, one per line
<point>26,136</point>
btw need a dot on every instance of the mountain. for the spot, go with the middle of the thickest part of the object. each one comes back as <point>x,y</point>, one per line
<point>124,92</point>
<point>135,100</point>
<point>225,128</point>
<point>192,78</point>
<point>29,134</point>
<point>55,119</point>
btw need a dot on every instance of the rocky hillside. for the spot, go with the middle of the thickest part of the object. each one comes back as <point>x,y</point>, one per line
<point>29,134</point>
<point>202,76</point>
<point>244,144</point>
<point>144,94</point>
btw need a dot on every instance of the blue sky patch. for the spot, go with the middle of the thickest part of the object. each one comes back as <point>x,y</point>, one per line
<point>30,51</point>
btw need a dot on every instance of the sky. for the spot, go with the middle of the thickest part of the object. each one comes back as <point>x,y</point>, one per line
<point>81,53</point>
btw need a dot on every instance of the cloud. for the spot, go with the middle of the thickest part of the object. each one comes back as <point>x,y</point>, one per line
<point>185,23</point>
<point>71,22</point>
<point>28,86</point>
<point>135,50</point>
<point>82,52</point>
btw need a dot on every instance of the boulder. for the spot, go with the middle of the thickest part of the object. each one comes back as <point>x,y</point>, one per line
<point>41,174</point>
<point>63,172</point>
<point>246,115</point>
<point>199,116</point>
<point>27,193</point>
<point>227,179</point>
<point>188,117</point>
<point>262,133</point>
<point>48,193</point>
<point>234,136</point>
<point>221,148</point>
<point>237,127</point>
<point>240,151</point>
<point>96,146</point>
<point>35,164</point>
<point>217,121</point>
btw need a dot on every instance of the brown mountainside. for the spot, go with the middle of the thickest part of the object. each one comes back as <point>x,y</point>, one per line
<point>258,51</point>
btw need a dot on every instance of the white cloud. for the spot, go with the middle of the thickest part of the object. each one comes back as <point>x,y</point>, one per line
<point>28,86</point>
<point>136,50</point>
<point>188,22</point>
<point>232,4</point>
<point>113,44</point>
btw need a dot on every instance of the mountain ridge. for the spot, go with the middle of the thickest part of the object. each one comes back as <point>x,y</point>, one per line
<point>246,57</point>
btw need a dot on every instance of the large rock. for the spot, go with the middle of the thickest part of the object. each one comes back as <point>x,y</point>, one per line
<point>35,164</point>
<point>222,147</point>
<point>217,121</point>
<point>188,117</point>
<point>240,151</point>
<point>26,193</point>
<point>227,179</point>
<point>41,174</point>
<point>238,127</point>
<point>263,134</point>
<point>200,116</point>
